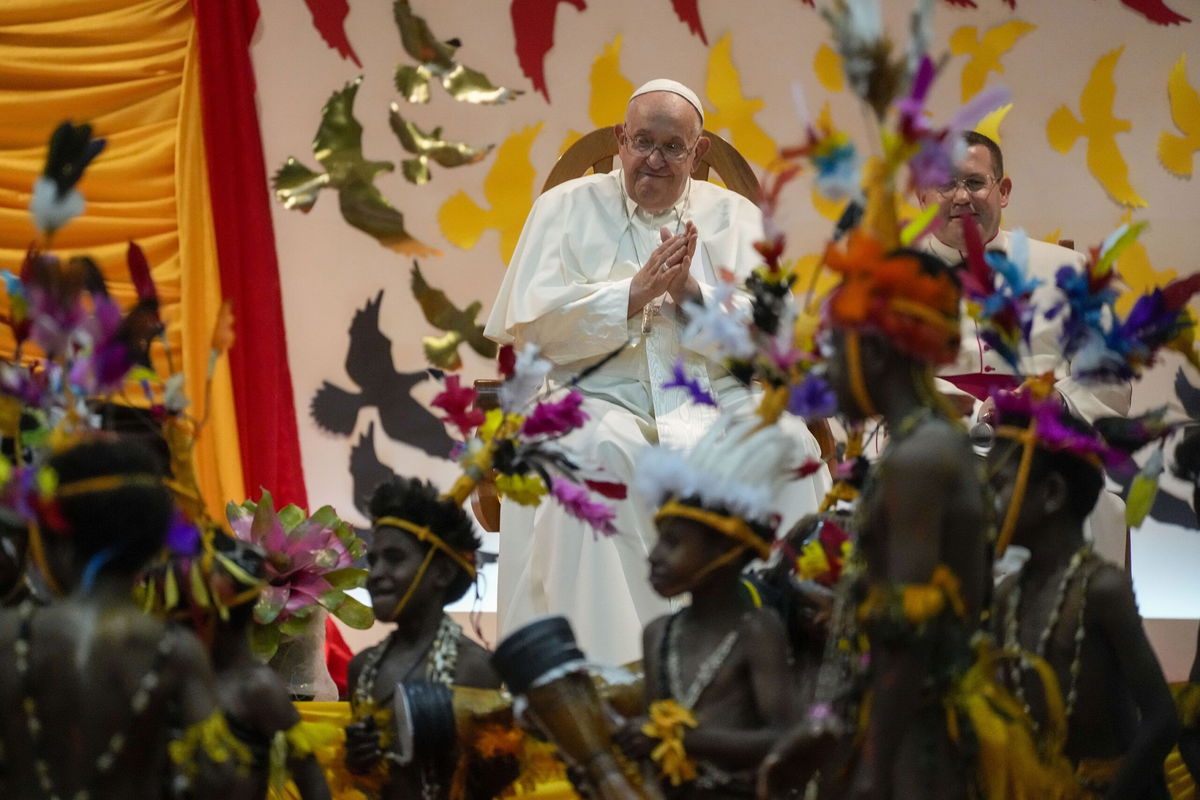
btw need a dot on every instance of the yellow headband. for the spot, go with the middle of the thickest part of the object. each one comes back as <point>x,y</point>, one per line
<point>732,527</point>
<point>106,483</point>
<point>1027,438</point>
<point>426,535</point>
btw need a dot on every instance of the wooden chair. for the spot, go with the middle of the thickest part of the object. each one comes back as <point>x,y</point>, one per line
<point>595,152</point>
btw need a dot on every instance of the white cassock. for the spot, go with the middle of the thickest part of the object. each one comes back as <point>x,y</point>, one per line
<point>567,291</point>
<point>977,364</point>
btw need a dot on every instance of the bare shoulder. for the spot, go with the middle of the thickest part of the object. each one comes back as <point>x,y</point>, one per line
<point>1109,592</point>
<point>938,447</point>
<point>265,693</point>
<point>652,634</point>
<point>475,666</point>
<point>761,627</point>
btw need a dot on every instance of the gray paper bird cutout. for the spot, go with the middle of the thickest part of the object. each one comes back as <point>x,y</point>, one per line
<point>338,147</point>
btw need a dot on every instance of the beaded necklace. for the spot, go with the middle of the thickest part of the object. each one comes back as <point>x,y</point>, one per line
<point>689,696</point>
<point>22,647</point>
<point>441,666</point>
<point>441,661</point>
<point>1012,636</point>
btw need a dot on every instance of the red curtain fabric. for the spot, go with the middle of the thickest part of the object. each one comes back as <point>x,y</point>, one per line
<point>262,381</point>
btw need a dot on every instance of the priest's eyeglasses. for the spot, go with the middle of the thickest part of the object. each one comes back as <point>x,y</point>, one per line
<point>974,184</point>
<point>644,146</point>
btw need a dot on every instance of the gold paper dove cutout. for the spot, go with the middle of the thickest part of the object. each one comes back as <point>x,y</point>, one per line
<point>436,61</point>
<point>509,187</point>
<point>827,65</point>
<point>430,146</point>
<point>734,111</point>
<point>1137,273</point>
<point>985,51</point>
<point>610,91</point>
<point>1053,237</point>
<point>1175,152</point>
<point>338,147</point>
<point>989,126</point>
<point>1100,128</point>
<point>459,324</point>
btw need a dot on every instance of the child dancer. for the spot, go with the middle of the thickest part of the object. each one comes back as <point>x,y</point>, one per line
<point>93,691</point>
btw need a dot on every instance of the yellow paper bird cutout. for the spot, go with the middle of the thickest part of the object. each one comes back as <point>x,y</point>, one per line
<point>806,269</point>
<point>989,126</point>
<point>1053,237</point>
<point>1137,273</point>
<point>610,91</point>
<point>1175,152</point>
<point>985,51</point>
<point>509,187</point>
<point>827,65</point>
<point>734,111</point>
<point>1100,128</point>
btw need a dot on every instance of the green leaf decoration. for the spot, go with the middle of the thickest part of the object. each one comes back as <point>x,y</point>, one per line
<point>347,578</point>
<point>1143,491</point>
<point>354,614</point>
<point>290,516</point>
<point>264,641</point>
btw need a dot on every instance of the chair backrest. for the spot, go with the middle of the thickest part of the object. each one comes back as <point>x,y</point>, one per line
<point>596,152</point>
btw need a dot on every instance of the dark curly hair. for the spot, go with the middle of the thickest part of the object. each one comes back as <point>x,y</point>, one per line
<point>127,523</point>
<point>420,503</point>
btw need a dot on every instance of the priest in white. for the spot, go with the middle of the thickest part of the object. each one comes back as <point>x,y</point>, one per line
<point>608,260</point>
<point>981,191</point>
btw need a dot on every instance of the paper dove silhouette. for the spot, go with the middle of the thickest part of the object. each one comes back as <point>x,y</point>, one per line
<point>1175,152</point>
<point>971,3</point>
<point>688,12</point>
<point>533,30</point>
<point>985,52</point>
<point>338,147</point>
<point>370,366</point>
<point>427,146</point>
<point>329,18</point>
<point>508,187</point>
<point>1156,11</point>
<point>459,324</point>
<point>437,61</point>
<point>610,91</point>
<point>1100,128</point>
<point>734,111</point>
<point>367,471</point>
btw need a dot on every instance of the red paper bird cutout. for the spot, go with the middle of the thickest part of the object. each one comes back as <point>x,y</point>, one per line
<point>533,28</point>
<point>688,12</point>
<point>1156,11</point>
<point>329,18</point>
<point>971,3</point>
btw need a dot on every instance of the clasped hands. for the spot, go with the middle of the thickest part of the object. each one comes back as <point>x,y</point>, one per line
<point>666,271</point>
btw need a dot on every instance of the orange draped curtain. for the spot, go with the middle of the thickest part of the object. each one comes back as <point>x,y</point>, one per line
<point>130,68</point>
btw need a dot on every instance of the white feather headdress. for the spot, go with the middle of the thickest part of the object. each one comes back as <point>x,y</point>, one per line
<point>737,466</point>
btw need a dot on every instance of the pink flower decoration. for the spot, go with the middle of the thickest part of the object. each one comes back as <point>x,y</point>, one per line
<point>577,502</point>
<point>556,418</point>
<point>459,404</point>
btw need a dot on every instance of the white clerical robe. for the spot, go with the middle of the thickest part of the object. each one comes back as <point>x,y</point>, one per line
<point>1088,401</point>
<point>567,291</point>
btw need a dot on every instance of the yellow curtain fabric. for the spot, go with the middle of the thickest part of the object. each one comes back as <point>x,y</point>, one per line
<point>130,68</point>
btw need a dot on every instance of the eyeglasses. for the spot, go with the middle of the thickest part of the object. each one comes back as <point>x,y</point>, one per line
<point>974,184</point>
<point>644,146</point>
